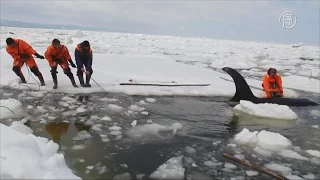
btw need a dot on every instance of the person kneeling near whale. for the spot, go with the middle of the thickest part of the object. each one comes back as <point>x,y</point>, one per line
<point>272,84</point>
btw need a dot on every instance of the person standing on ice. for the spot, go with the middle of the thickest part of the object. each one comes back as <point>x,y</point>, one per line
<point>272,84</point>
<point>58,54</point>
<point>83,56</point>
<point>21,53</point>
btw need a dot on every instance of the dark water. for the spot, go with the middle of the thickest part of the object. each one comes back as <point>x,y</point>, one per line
<point>208,127</point>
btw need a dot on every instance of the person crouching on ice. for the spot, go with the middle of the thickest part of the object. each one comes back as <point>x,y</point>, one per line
<point>272,84</point>
<point>22,53</point>
<point>58,54</point>
<point>83,56</point>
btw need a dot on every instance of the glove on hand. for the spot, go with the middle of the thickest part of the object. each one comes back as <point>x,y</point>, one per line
<point>39,56</point>
<point>72,64</point>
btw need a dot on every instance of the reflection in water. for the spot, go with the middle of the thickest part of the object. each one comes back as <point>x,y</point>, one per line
<point>144,158</point>
<point>56,129</point>
<point>81,126</point>
<point>233,125</point>
<point>248,120</point>
<point>28,123</point>
<point>83,97</point>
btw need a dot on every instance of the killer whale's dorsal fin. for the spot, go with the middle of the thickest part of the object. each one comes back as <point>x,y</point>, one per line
<point>243,91</point>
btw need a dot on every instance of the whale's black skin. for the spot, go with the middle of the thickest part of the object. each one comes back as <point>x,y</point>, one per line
<point>243,92</point>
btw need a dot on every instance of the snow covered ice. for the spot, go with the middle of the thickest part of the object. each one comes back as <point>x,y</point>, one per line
<point>106,118</point>
<point>314,153</point>
<point>309,176</point>
<point>263,139</point>
<point>267,143</point>
<point>315,113</point>
<point>150,100</point>
<point>278,167</point>
<point>266,110</point>
<point>114,108</point>
<point>136,108</point>
<point>172,169</point>
<point>78,147</point>
<point>230,166</point>
<point>152,131</point>
<point>138,63</point>
<point>11,108</point>
<point>25,156</point>
<point>294,177</point>
<point>20,127</point>
<point>291,154</point>
<point>252,173</point>
<point>82,135</point>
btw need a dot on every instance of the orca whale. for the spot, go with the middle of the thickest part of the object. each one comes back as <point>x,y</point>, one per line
<point>243,92</point>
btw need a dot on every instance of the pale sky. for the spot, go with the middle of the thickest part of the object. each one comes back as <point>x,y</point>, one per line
<point>256,20</point>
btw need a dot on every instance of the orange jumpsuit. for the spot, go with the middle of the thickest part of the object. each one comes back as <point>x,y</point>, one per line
<point>272,85</point>
<point>57,57</point>
<point>22,53</point>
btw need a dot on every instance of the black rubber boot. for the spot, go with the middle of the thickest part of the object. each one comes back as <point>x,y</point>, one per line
<point>88,77</point>
<point>73,81</point>
<point>22,79</point>
<point>17,70</point>
<point>81,80</point>
<point>55,82</point>
<point>54,77</point>
<point>36,72</point>
<point>70,75</point>
<point>41,79</point>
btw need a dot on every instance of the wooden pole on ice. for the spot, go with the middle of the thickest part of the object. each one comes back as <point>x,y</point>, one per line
<point>248,164</point>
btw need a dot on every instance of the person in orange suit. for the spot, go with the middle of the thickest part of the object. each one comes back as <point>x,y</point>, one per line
<point>272,84</point>
<point>58,54</point>
<point>21,53</point>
